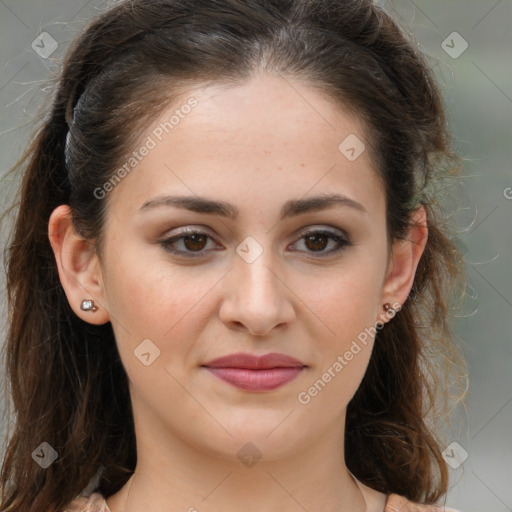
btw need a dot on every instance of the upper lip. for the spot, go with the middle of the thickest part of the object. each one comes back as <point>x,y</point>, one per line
<point>253,362</point>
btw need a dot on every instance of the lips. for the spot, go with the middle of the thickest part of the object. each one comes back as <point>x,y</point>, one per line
<point>256,373</point>
<point>251,362</point>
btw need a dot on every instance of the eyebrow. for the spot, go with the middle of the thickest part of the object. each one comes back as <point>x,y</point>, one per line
<point>291,208</point>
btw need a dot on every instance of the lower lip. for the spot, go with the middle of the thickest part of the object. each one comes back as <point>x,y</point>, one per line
<point>256,380</point>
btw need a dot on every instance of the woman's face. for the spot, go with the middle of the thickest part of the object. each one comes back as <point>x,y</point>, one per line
<point>251,281</point>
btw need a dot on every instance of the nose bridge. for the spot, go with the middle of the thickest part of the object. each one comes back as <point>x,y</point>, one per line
<point>259,284</point>
<point>258,297</point>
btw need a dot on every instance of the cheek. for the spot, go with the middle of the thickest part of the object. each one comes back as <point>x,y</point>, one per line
<point>347,307</point>
<point>151,301</point>
<point>147,293</point>
<point>347,300</point>
<point>344,352</point>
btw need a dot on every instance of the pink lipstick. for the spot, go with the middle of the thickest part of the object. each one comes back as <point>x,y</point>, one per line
<point>256,373</point>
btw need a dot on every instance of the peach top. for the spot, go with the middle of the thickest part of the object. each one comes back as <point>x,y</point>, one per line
<point>394,503</point>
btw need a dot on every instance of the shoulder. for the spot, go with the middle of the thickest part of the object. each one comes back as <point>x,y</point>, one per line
<point>93,503</point>
<point>397,503</point>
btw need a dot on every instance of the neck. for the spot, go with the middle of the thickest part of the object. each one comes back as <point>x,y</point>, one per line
<point>269,488</point>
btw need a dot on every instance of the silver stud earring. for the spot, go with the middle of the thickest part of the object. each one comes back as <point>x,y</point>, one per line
<point>388,307</point>
<point>88,305</point>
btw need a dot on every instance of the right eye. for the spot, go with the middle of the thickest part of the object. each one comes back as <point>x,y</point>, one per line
<point>193,242</point>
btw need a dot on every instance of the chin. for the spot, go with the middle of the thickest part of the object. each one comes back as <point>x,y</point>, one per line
<point>267,440</point>
<point>250,450</point>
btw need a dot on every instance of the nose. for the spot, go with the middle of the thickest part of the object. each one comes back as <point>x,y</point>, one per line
<point>257,298</point>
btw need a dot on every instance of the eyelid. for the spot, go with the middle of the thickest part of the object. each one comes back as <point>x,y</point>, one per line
<point>314,228</point>
<point>319,228</point>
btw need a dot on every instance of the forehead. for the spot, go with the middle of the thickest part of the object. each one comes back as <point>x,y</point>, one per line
<point>265,138</point>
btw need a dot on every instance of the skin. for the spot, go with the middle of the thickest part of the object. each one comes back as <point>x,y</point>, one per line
<point>255,145</point>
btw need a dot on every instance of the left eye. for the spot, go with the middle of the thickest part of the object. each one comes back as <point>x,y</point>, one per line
<point>194,242</point>
<point>317,239</point>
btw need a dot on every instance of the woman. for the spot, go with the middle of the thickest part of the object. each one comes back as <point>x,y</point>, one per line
<point>229,282</point>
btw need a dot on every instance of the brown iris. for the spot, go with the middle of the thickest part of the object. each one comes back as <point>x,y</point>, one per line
<point>312,238</point>
<point>191,241</point>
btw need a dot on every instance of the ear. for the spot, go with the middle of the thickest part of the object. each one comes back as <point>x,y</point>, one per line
<point>78,265</point>
<point>404,261</point>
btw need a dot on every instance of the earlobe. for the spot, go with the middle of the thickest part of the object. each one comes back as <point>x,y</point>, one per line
<point>405,259</point>
<point>78,266</point>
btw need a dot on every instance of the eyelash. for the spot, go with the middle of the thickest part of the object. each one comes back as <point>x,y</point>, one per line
<point>166,244</point>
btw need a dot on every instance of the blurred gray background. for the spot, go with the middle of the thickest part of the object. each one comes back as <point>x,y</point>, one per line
<point>469,45</point>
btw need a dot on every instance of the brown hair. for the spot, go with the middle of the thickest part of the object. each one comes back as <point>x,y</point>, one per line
<point>67,383</point>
